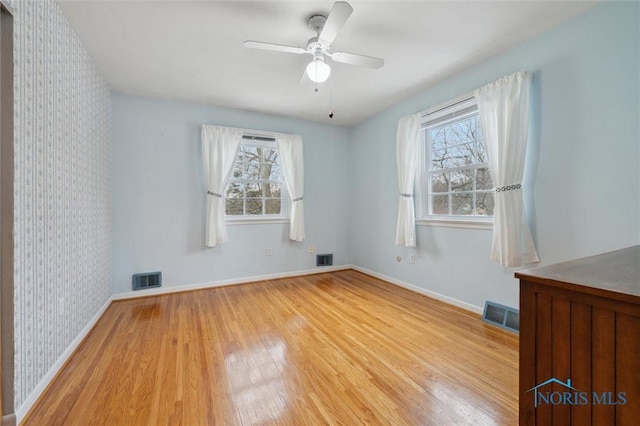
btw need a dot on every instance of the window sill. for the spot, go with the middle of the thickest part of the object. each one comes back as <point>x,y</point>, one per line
<point>456,222</point>
<point>257,221</point>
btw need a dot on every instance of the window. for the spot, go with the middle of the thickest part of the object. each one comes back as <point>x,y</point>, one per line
<point>256,188</point>
<point>455,181</point>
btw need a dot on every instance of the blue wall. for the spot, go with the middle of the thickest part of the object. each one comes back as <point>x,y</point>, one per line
<point>582,173</point>
<point>159,197</point>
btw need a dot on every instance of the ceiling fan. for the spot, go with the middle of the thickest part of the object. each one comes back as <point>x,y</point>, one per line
<point>326,28</point>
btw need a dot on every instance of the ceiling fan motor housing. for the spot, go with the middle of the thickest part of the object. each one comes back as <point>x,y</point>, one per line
<point>317,47</point>
<point>316,22</point>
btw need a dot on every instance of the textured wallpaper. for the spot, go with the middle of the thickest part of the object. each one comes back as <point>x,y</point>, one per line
<point>62,190</point>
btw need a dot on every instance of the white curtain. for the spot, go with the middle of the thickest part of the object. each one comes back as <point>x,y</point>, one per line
<point>219,150</point>
<point>504,116</point>
<point>290,150</point>
<point>407,153</point>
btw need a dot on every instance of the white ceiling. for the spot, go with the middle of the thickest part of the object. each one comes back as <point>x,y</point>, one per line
<point>192,50</point>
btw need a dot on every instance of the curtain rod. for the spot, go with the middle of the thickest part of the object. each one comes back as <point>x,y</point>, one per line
<point>254,134</point>
<point>440,107</point>
<point>259,138</point>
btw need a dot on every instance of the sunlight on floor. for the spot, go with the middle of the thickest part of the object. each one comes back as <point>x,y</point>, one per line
<point>257,386</point>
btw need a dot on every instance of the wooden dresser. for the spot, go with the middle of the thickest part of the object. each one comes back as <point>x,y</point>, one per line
<point>580,341</point>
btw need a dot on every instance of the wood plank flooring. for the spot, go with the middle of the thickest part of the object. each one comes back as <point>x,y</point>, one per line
<point>335,348</point>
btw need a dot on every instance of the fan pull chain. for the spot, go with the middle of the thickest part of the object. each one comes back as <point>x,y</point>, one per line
<point>330,97</point>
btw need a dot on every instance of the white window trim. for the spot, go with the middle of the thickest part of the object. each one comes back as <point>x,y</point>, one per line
<point>259,220</point>
<point>456,222</point>
<point>423,218</point>
<point>284,216</point>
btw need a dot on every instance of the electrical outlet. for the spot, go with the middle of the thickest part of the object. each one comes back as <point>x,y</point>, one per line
<point>268,251</point>
<point>412,258</point>
<point>311,249</point>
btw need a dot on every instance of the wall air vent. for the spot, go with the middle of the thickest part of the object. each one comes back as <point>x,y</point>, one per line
<point>502,316</point>
<point>147,280</point>
<point>324,260</point>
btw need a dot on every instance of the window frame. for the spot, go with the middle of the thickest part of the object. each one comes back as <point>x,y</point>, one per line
<point>461,107</point>
<point>284,216</point>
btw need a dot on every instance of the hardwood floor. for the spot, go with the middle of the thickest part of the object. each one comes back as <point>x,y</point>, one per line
<point>335,348</point>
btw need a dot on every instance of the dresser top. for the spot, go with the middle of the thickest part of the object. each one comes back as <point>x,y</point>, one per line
<point>617,271</point>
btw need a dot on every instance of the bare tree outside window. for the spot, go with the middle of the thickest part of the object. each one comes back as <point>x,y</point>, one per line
<point>457,170</point>
<point>255,186</point>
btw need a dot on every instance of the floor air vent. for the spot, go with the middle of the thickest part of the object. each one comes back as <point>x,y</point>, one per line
<point>502,316</point>
<point>324,259</point>
<point>147,280</point>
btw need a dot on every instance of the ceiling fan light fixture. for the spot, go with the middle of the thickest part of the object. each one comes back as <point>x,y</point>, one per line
<point>318,70</point>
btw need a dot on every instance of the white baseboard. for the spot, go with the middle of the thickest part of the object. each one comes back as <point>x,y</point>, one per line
<point>428,293</point>
<point>255,278</point>
<point>23,410</point>
<point>221,283</point>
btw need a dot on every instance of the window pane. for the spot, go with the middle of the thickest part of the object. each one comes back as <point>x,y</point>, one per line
<point>461,155</point>
<point>256,181</point>
<point>261,170</point>
<point>274,173</point>
<point>240,157</point>
<point>249,151</point>
<point>254,193</point>
<point>254,206</point>
<point>238,170</point>
<point>457,156</point>
<point>235,190</point>
<point>440,159</point>
<point>272,206</point>
<point>462,180</point>
<point>272,190</point>
<point>252,161</point>
<point>438,138</point>
<point>455,162</point>
<point>484,201</point>
<point>253,190</point>
<point>252,171</point>
<point>460,132</point>
<point>270,155</point>
<point>474,128</point>
<point>462,204</point>
<point>483,179</point>
<point>267,171</point>
<point>457,133</point>
<point>440,182</point>
<point>440,204</point>
<point>234,207</point>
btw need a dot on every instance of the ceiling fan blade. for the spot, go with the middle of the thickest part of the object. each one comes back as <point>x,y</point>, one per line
<point>339,14</point>
<point>360,60</point>
<point>276,47</point>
